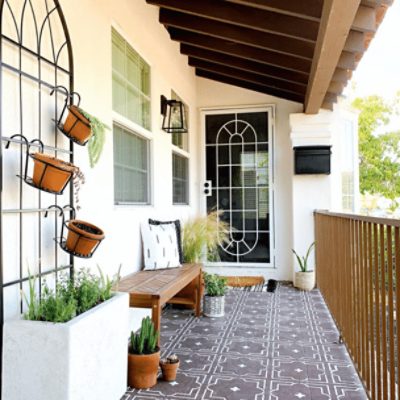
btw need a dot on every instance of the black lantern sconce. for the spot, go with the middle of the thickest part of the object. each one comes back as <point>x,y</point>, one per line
<point>174,120</point>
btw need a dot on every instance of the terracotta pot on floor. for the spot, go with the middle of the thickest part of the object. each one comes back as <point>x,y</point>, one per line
<point>83,237</point>
<point>143,370</point>
<point>169,371</point>
<point>77,126</point>
<point>53,178</point>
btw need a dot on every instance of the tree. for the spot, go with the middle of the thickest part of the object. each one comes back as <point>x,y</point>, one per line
<point>379,150</point>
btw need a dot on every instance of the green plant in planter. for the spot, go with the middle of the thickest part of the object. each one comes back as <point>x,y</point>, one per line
<point>215,285</point>
<point>145,340</point>
<point>303,261</point>
<point>203,235</point>
<point>71,297</point>
<point>97,138</point>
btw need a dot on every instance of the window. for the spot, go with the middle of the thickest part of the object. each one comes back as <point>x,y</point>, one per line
<point>181,139</point>
<point>180,179</point>
<point>131,167</point>
<point>131,82</point>
<point>347,166</point>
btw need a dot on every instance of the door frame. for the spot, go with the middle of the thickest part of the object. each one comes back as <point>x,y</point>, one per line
<point>270,109</point>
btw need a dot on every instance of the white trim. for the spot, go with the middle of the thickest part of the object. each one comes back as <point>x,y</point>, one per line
<point>270,109</point>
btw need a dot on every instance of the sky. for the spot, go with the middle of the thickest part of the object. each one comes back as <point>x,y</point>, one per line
<point>379,70</point>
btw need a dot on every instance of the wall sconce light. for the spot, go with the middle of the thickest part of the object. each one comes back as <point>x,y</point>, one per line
<point>174,120</point>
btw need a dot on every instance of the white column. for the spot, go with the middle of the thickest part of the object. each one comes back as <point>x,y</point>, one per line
<point>309,192</point>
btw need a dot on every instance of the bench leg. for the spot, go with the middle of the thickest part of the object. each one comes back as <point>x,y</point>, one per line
<point>156,315</point>
<point>198,296</point>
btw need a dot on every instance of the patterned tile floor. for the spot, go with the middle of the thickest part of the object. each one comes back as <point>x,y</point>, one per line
<point>267,347</point>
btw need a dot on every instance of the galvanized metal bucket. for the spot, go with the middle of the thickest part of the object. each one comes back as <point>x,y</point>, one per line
<point>214,306</point>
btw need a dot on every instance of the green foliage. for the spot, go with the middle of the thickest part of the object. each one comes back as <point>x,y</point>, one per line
<point>70,298</point>
<point>215,285</point>
<point>97,139</point>
<point>379,150</point>
<point>203,235</point>
<point>145,340</point>
<point>303,261</point>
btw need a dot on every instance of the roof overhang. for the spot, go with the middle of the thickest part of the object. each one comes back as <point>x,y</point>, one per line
<point>303,50</point>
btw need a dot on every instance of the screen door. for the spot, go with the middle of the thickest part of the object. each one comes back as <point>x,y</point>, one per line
<point>238,184</point>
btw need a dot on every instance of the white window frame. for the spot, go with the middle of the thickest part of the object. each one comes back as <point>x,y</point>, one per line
<point>187,182</point>
<point>135,128</point>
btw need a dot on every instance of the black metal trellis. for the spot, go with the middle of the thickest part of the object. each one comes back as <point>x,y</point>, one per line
<point>53,22</point>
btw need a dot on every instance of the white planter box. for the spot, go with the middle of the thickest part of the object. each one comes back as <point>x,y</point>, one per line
<point>83,359</point>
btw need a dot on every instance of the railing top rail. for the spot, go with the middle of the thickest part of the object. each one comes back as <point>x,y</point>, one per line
<point>357,217</point>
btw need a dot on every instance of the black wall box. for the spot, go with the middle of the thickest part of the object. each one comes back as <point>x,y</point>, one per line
<point>312,160</point>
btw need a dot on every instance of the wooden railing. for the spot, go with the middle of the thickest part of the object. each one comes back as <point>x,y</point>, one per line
<point>358,273</point>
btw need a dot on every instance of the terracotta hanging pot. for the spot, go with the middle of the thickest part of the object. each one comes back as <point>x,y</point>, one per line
<point>143,370</point>
<point>169,370</point>
<point>77,126</point>
<point>50,173</point>
<point>83,237</point>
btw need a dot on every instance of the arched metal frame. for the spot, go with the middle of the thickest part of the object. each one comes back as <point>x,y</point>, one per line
<point>53,12</point>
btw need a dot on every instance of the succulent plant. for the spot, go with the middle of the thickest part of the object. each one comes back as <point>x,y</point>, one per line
<point>145,340</point>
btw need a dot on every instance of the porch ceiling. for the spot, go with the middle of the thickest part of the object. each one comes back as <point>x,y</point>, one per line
<point>303,50</point>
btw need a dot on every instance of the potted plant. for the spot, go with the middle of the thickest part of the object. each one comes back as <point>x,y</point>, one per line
<point>71,334</point>
<point>83,127</point>
<point>305,278</point>
<point>83,237</point>
<point>143,356</point>
<point>214,299</point>
<point>202,236</point>
<point>169,367</point>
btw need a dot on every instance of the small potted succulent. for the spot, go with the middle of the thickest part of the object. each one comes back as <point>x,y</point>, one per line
<point>143,356</point>
<point>214,299</point>
<point>84,128</point>
<point>305,278</point>
<point>169,367</point>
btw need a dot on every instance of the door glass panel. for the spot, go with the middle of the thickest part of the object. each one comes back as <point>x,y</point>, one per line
<point>237,164</point>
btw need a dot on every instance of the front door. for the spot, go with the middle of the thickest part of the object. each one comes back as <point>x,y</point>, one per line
<point>238,184</point>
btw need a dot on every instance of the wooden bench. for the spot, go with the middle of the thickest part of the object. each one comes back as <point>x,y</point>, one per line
<point>153,289</point>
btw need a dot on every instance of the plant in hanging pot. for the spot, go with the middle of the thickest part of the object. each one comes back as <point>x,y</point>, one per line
<point>84,128</point>
<point>143,356</point>
<point>305,278</point>
<point>214,299</point>
<point>169,367</point>
<point>68,335</point>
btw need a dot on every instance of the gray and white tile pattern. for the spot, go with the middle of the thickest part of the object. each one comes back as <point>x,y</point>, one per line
<point>269,346</point>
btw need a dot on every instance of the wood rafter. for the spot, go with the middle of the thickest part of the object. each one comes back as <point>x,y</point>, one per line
<point>248,76</point>
<point>244,64</point>
<point>251,37</point>
<point>249,85</point>
<point>240,50</point>
<point>249,17</point>
<point>336,21</point>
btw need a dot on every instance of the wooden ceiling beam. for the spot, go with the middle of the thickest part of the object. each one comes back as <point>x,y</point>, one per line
<point>336,87</point>
<point>337,18</point>
<point>244,64</point>
<point>240,50</point>
<point>249,17</point>
<point>365,20</point>
<point>250,86</point>
<point>311,9</point>
<point>340,75</point>
<point>238,34</point>
<point>355,42</point>
<point>289,87</point>
<point>347,61</point>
